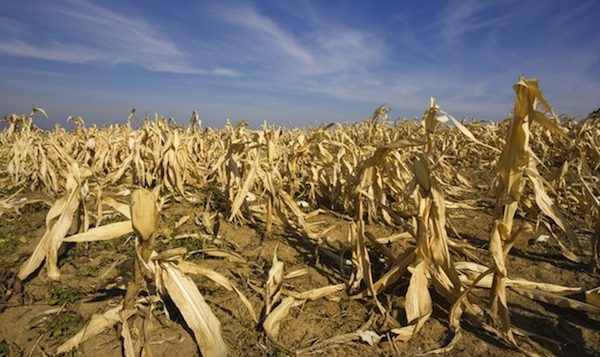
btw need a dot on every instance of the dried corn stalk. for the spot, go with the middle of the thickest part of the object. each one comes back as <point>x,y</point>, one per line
<point>516,161</point>
<point>58,222</point>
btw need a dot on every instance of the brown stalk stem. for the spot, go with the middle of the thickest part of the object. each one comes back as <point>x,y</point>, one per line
<point>135,285</point>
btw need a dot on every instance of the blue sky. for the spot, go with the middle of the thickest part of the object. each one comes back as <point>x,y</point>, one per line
<point>293,62</point>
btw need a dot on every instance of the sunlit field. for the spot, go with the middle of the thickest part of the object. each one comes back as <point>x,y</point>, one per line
<point>378,237</point>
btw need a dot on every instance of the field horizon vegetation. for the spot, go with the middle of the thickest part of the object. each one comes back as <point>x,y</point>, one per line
<point>406,237</point>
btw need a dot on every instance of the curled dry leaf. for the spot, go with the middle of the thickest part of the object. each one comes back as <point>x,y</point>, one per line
<point>105,232</point>
<point>274,281</point>
<point>195,311</point>
<point>97,324</point>
<point>191,268</point>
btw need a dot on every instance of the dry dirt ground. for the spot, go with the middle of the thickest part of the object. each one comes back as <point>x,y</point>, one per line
<point>47,313</point>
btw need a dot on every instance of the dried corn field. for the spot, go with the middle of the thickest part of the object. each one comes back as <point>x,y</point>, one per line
<point>378,237</point>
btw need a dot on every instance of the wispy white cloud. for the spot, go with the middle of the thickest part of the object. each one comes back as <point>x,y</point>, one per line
<point>53,50</point>
<point>278,39</point>
<point>465,16</point>
<point>317,50</point>
<point>354,64</point>
<point>10,26</point>
<point>105,36</point>
<point>7,70</point>
<point>475,79</point>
